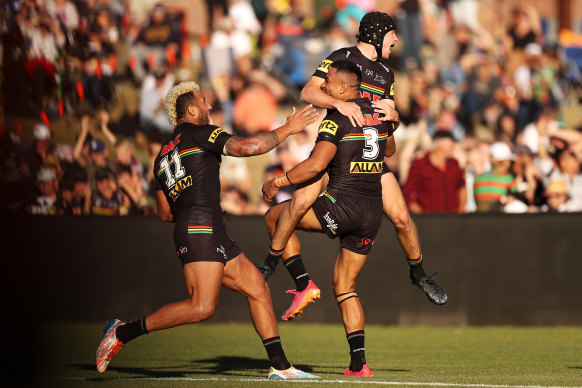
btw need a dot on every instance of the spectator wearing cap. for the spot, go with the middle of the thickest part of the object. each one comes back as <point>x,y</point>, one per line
<point>45,203</point>
<point>98,152</point>
<point>436,182</point>
<point>557,197</point>
<point>492,188</point>
<point>107,200</point>
<point>40,148</point>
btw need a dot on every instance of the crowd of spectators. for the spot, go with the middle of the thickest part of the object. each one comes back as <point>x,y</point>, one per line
<point>486,117</point>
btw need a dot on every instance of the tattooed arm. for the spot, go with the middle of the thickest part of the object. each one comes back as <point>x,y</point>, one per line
<point>265,141</point>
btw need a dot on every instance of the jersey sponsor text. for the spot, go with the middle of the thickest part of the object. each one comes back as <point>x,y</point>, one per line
<point>365,167</point>
<point>180,185</point>
<point>328,126</point>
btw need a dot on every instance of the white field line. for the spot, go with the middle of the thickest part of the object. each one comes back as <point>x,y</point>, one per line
<point>309,381</point>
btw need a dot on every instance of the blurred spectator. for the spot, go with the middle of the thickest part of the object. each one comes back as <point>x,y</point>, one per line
<point>64,12</point>
<point>568,169</point>
<point>130,189</point>
<point>491,189</point>
<point>107,200</point>
<point>66,199</point>
<point>158,40</point>
<point>557,197</point>
<point>255,108</point>
<point>40,148</point>
<point>151,106</point>
<point>45,203</point>
<point>528,178</point>
<point>410,30</point>
<point>435,182</point>
<point>81,203</point>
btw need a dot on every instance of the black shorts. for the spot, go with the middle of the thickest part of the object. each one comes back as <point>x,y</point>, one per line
<point>355,219</point>
<point>200,235</point>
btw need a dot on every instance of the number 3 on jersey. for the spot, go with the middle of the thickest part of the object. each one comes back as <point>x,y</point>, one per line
<point>371,148</point>
<point>179,170</point>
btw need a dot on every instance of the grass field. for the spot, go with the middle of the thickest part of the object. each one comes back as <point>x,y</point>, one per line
<point>231,355</point>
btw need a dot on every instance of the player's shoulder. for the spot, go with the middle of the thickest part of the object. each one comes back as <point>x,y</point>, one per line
<point>337,55</point>
<point>332,122</point>
<point>344,53</point>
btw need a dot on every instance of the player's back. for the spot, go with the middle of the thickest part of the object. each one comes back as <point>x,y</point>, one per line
<point>357,165</point>
<point>187,169</point>
<point>377,79</point>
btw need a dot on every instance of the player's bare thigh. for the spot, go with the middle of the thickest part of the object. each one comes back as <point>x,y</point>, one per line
<point>392,198</point>
<point>305,195</point>
<point>203,281</point>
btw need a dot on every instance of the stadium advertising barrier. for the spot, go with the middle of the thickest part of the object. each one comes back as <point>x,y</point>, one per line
<point>510,269</point>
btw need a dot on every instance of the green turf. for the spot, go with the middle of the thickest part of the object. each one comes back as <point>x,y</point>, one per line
<point>231,352</point>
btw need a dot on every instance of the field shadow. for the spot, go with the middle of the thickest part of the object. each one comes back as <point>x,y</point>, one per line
<point>151,372</point>
<point>229,364</point>
<point>575,367</point>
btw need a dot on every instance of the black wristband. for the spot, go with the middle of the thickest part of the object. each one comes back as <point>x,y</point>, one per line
<point>287,176</point>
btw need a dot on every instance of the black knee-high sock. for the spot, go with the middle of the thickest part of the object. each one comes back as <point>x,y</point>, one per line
<point>297,270</point>
<point>131,330</point>
<point>416,270</point>
<point>357,350</point>
<point>276,354</point>
<point>273,257</point>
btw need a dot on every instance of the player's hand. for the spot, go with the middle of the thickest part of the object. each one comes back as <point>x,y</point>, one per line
<point>384,107</point>
<point>352,111</point>
<point>269,190</point>
<point>297,121</point>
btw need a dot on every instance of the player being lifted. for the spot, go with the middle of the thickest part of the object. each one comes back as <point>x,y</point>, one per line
<point>351,207</point>
<point>186,173</point>
<point>377,34</point>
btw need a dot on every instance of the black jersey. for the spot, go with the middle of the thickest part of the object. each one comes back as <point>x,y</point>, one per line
<point>357,164</point>
<point>377,79</point>
<point>187,167</point>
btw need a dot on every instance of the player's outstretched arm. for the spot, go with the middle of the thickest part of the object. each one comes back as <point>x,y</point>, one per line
<point>264,142</point>
<point>313,94</point>
<point>322,154</point>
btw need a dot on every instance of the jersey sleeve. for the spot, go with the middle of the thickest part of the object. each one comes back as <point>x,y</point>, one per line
<point>330,128</point>
<point>324,65</point>
<point>211,137</point>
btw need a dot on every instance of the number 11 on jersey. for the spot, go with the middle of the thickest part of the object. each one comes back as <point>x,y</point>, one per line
<point>179,170</point>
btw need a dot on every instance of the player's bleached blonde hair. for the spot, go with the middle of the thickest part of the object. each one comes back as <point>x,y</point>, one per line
<point>173,94</point>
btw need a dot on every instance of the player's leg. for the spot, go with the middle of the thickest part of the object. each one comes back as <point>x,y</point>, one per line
<point>395,209</point>
<point>203,280</point>
<point>284,243</point>
<point>242,276</point>
<point>346,270</point>
<point>306,291</point>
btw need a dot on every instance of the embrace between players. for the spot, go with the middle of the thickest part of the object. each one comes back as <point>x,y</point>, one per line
<point>346,165</point>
